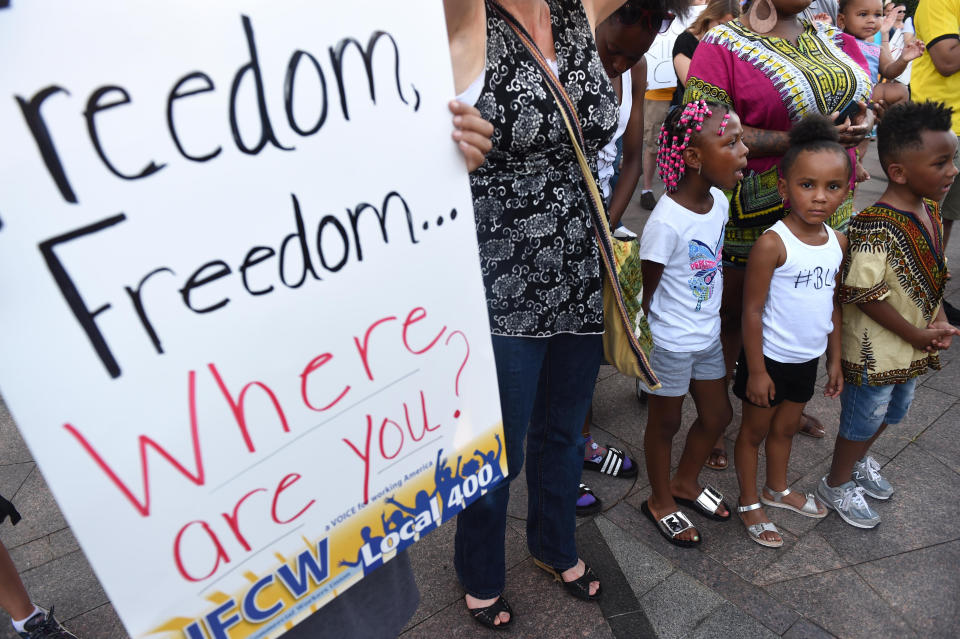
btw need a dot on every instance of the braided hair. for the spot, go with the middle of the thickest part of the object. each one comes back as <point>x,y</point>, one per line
<point>678,129</point>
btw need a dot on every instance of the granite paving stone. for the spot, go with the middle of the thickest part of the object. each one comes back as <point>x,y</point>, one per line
<point>809,451</point>
<point>805,629</point>
<point>927,407</point>
<point>63,541</point>
<point>730,545</point>
<point>12,477</point>
<point>844,604</point>
<point>947,380</point>
<point>743,594</point>
<point>730,622</point>
<point>810,554</point>
<point>922,585</point>
<point>32,554</point>
<point>618,602</point>
<point>643,568</point>
<point>617,410</point>
<point>669,609</point>
<point>942,440</point>
<point>102,621</point>
<point>41,516</point>
<point>631,625</point>
<point>606,371</point>
<point>926,494</point>
<point>14,450</point>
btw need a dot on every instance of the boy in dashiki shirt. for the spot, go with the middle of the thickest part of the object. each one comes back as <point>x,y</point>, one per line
<point>891,291</point>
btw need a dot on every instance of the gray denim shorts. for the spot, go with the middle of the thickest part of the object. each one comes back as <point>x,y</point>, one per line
<point>675,370</point>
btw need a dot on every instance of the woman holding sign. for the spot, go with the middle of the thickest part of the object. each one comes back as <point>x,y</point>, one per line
<point>382,603</point>
<point>540,265</point>
<point>773,66</point>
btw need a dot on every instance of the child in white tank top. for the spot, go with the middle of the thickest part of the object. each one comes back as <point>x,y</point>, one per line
<point>790,318</point>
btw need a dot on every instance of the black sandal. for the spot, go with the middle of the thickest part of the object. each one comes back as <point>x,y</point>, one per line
<point>706,503</point>
<point>588,508</point>
<point>579,588</point>
<point>488,616</point>
<point>612,464</point>
<point>670,526</point>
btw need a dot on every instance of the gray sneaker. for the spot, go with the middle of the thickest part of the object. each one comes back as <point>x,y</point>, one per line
<point>866,474</point>
<point>847,499</point>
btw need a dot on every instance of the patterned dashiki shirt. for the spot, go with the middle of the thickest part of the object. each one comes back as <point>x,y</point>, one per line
<point>538,250</point>
<point>890,257</point>
<point>772,84</point>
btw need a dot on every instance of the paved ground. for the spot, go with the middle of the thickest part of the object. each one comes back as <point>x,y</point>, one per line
<point>901,579</point>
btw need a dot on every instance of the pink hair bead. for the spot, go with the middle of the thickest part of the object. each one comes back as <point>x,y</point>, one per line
<point>670,164</point>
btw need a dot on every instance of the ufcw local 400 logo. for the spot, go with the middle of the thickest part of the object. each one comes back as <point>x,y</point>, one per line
<point>295,578</point>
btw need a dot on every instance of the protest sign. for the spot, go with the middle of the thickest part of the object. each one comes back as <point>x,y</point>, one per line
<point>660,71</point>
<point>243,325</point>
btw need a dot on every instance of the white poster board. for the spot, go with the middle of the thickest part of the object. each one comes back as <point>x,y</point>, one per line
<point>243,327</point>
<point>660,71</point>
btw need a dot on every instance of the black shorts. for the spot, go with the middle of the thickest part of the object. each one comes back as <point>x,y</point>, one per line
<point>794,382</point>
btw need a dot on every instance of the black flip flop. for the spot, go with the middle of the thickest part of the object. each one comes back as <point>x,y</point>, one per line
<point>488,615</point>
<point>706,503</point>
<point>672,525</point>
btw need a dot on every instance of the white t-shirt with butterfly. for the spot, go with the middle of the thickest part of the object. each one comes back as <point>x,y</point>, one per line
<point>685,308</point>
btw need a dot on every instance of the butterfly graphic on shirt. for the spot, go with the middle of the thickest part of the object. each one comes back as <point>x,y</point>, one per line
<point>704,263</point>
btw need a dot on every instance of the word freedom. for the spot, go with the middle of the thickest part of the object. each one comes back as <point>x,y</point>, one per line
<point>108,97</point>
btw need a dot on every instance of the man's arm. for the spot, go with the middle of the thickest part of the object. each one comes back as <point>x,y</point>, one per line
<point>938,25</point>
<point>945,54</point>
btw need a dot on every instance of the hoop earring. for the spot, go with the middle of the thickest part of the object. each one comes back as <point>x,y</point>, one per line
<point>698,170</point>
<point>763,16</point>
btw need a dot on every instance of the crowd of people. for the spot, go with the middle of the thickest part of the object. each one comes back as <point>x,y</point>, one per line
<point>758,147</point>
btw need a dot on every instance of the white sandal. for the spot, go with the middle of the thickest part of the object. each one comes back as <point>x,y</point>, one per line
<point>809,508</point>
<point>755,530</point>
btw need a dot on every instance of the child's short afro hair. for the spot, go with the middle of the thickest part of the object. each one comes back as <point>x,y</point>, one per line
<point>903,124</point>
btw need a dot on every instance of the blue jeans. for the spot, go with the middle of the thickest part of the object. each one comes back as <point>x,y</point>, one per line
<point>546,385</point>
<point>864,408</point>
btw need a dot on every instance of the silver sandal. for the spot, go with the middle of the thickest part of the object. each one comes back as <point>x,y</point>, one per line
<point>755,530</point>
<point>809,508</point>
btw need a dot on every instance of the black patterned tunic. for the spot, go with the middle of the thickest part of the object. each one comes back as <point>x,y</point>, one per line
<point>538,252</point>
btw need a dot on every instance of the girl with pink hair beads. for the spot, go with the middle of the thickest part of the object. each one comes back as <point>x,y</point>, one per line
<point>701,152</point>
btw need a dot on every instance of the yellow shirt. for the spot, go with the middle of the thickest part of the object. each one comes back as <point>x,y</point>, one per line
<point>936,19</point>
